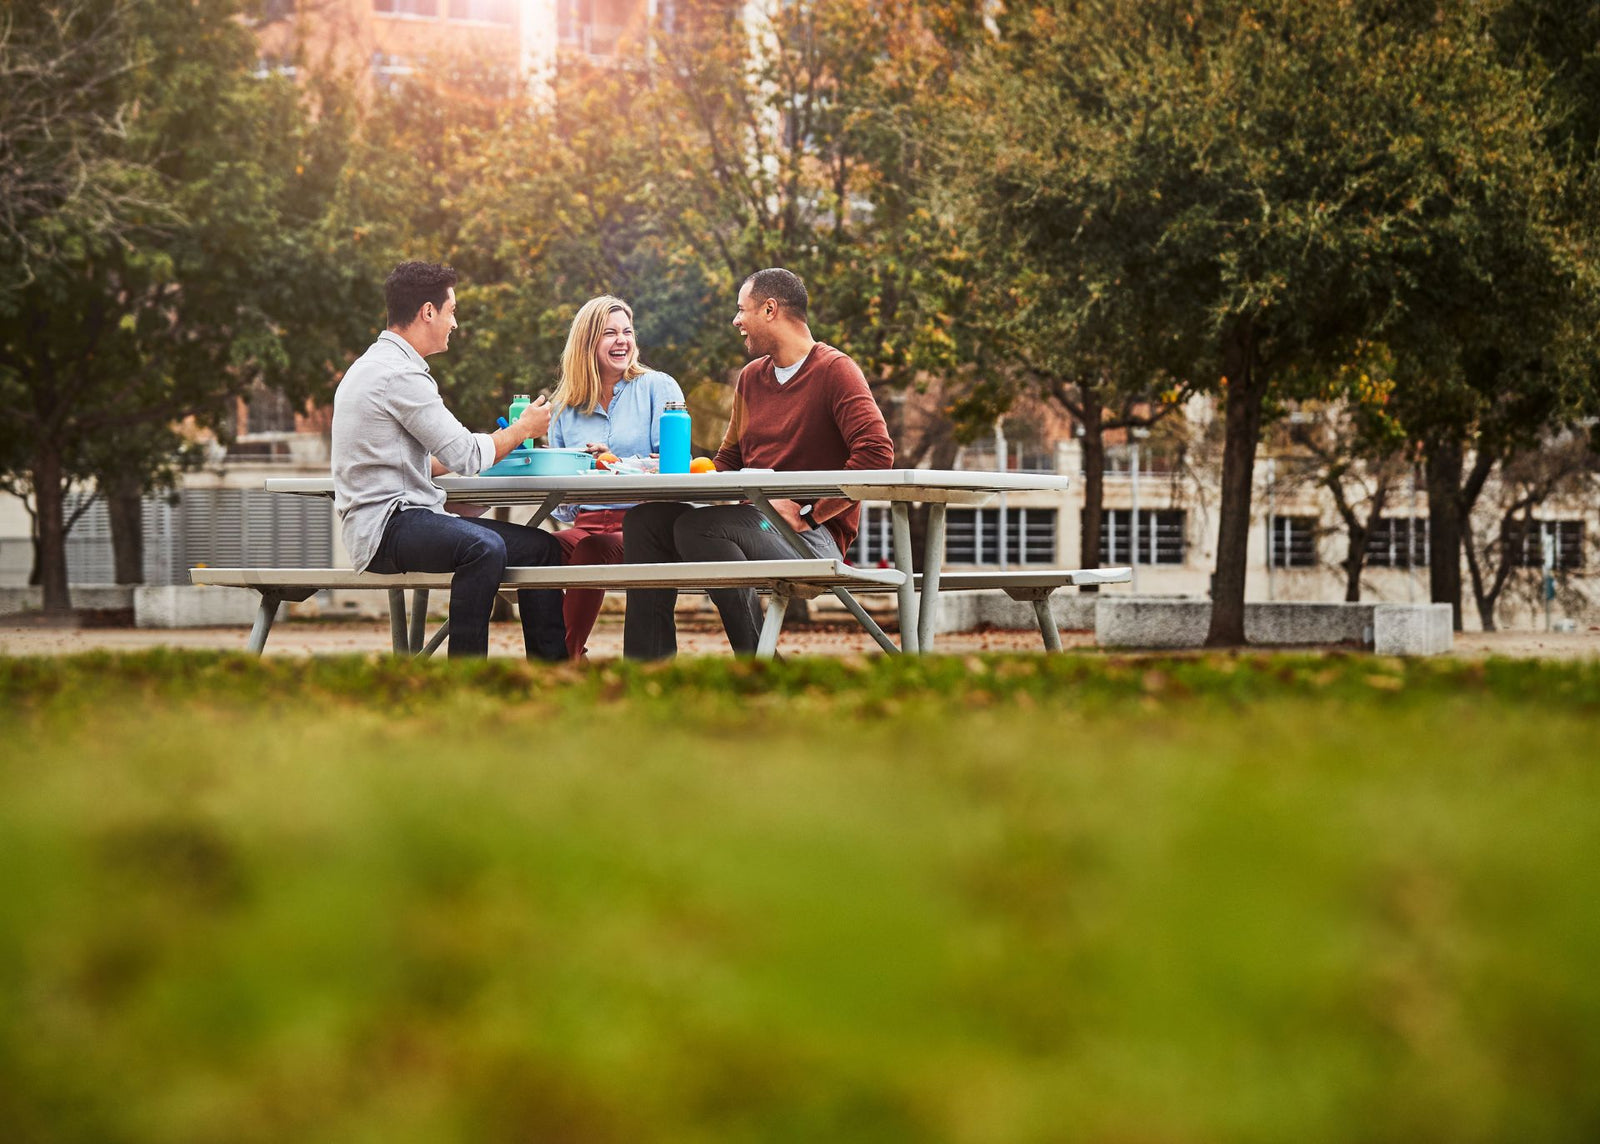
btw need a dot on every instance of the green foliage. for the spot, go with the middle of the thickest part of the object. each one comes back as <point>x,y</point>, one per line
<point>1255,899</point>
<point>1244,195</point>
<point>222,274</point>
<point>785,141</point>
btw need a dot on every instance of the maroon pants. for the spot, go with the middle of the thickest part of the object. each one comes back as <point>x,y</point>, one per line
<point>594,538</point>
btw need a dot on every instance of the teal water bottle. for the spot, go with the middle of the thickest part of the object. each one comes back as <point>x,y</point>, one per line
<point>518,403</point>
<point>675,438</point>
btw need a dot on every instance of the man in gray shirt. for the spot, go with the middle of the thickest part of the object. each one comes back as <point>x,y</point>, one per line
<point>392,435</point>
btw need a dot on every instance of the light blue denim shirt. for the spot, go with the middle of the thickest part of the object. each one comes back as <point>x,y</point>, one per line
<point>631,427</point>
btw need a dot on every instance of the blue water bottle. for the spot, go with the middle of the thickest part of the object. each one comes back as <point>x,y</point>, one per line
<point>675,438</point>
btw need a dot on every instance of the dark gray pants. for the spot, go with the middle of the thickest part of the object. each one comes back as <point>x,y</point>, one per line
<point>670,532</point>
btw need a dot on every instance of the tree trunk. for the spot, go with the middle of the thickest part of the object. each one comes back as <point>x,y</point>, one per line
<point>1246,390</point>
<point>1443,466</point>
<point>1484,597</point>
<point>36,573</point>
<point>1356,559</point>
<point>1352,566</point>
<point>125,506</point>
<point>49,499</point>
<point>1094,487</point>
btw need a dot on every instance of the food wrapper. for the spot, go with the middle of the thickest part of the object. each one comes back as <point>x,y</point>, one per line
<point>634,465</point>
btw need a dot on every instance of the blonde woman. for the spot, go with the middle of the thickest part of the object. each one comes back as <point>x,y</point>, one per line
<point>606,401</point>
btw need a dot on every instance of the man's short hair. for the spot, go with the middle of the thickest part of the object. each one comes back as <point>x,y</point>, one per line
<point>782,286</point>
<point>413,284</point>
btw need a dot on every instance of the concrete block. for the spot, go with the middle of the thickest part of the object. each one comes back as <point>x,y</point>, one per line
<point>15,600</point>
<point>89,597</point>
<point>1138,622</point>
<point>964,611</point>
<point>1308,623</point>
<point>1134,621</point>
<point>1412,629</point>
<point>190,606</point>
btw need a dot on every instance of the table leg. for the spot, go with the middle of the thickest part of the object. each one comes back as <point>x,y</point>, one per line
<point>866,621</point>
<point>419,620</point>
<point>775,519</point>
<point>900,524</point>
<point>546,507</point>
<point>397,621</point>
<point>1047,624</point>
<point>265,615</point>
<point>438,638</point>
<point>932,563</point>
<point>777,605</point>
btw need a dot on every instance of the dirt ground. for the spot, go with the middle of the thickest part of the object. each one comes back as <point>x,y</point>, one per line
<point>696,637</point>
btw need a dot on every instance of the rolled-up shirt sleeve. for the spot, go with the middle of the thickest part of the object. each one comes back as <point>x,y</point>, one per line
<point>414,400</point>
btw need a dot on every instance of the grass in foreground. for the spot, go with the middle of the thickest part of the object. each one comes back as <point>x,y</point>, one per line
<point>997,899</point>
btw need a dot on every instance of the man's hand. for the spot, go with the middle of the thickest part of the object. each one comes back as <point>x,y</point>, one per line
<point>534,422</point>
<point>790,511</point>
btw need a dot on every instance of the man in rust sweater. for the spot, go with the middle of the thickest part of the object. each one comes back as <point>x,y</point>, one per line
<point>798,405</point>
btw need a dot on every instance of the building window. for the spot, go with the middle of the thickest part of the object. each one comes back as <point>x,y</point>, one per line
<point>268,410</point>
<point>874,544</point>
<point>1398,542</point>
<point>268,66</point>
<point>1524,543</point>
<point>88,544</point>
<point>406,7</point>
<point>231,528</point>
<point>483,11</point>
<point>390,71</point>
<point>1292,541</point>
<point>1161,536</point>
<point>217,527</point>
<point>976,536</point>
<point>598,27</point>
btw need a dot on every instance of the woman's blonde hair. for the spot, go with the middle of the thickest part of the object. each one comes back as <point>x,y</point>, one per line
<point>579,385</point>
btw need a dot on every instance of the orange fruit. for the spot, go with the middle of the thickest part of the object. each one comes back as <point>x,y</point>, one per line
<point>702,465</point>
<point>605,460</point>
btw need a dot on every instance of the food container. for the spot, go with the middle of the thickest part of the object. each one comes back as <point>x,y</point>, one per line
<point>524,462</point>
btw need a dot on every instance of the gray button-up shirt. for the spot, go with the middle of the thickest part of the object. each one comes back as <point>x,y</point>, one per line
<point>388,419</point>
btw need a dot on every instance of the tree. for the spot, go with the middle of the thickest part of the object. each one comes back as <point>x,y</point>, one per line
<point>225,277</point>
<point>63,68</point>
<point>726,148</point>
<point>1358,451</point>
<point>1280,179</point>
<point>1561,468</point>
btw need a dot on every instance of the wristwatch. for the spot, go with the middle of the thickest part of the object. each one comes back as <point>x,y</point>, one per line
<point>805,515</point>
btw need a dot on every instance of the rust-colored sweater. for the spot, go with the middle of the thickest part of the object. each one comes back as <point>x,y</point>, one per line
<point>823,417</point>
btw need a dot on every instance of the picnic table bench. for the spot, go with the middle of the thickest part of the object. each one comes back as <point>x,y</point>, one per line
<point>1032,585</point>
<point>780,579</point>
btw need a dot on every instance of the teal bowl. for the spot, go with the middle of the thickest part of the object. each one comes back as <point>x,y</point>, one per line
<point>542,463</point>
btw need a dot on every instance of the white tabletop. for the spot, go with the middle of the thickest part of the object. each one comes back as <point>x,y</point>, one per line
<point>944,486</point>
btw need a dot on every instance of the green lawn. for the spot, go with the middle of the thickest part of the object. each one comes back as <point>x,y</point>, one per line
<point>1002,899</point>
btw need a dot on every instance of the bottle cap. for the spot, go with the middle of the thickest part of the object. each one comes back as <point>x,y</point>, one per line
<point>676,405</point>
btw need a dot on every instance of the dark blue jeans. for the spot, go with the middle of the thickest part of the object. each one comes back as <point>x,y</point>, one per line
<point>478,552</point>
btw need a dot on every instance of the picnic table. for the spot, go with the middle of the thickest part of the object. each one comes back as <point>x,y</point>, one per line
<point>900,488</point>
